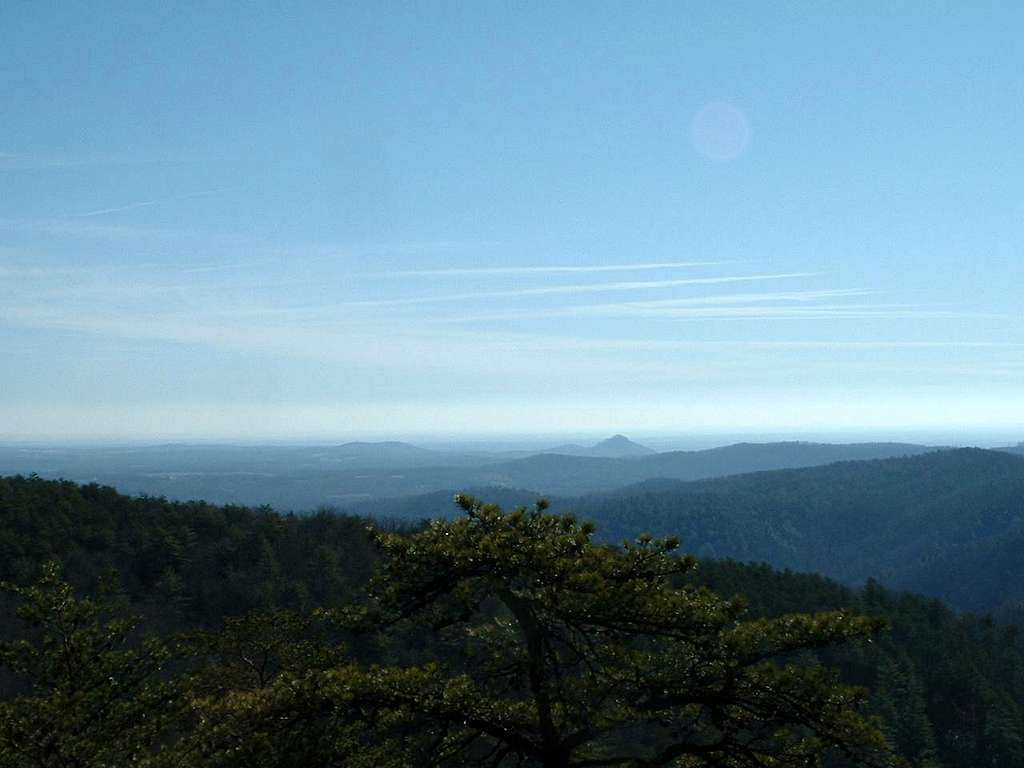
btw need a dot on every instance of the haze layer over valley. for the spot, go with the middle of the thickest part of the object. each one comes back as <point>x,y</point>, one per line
<point>307,477</point>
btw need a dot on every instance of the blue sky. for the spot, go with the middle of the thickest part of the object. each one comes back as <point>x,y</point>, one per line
<point>369,219</point>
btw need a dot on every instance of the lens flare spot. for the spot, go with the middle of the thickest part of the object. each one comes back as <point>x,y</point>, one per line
<point>720,131</point>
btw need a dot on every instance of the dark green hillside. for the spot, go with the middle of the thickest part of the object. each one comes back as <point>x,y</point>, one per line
<point>565,475</point>
<point>946,523</point>
<point>890,519</point>
<point>552,474</point>
<point>414,509</point>
<point>181,563</point>
<point>980,576</point>
<point>949,688</point>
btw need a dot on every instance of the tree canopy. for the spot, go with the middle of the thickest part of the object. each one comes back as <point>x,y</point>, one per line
<point>90,699</point>
<point>567,653</point>
<point>387,671</point>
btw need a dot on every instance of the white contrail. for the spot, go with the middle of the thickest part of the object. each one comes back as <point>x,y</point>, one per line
<point>738,298</point>
<point>147,203</point>
<point>553,290</point>
<point>549,269</point>
<point>662,305</point>
<point>218,267</point>
<point>130,206</point>
<point>826,312</point>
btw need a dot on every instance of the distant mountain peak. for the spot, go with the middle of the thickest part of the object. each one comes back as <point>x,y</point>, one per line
<point>617,440</point>
<point>378,444</point>
<point>614,447</point>
<point>621,446</point>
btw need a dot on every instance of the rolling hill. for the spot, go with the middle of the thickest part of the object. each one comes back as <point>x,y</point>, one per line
<point>615,447</point>
<point>948,523</point>
<point>308,477</point>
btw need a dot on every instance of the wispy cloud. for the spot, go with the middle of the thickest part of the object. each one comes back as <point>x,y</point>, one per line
<point>556,290</point>
<point>552,269</point>
<point>208,324</point>
<point>432,246</point>
<point>406,357</point>
<point>148,203</point>
<point>742,298</point>
<point>824,312</point>
<point>73,228</point>
<point>778,305</point>
<point>32,272</point>
<point>130,206</point>
<point>658,305</point>
<point>726,344</point>
<point>43,161</point>
<point>203,268</point>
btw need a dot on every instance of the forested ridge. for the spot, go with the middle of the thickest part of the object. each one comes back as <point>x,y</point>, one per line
<point>947,523</point>
<point>947,687</point>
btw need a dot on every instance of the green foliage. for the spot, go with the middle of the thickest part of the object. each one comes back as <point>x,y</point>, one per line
<point>89,699</point>
<point>949,688</point>
<point>249,652</point>
<point>564,653</point>
<point>257,695</point>
<point>182,565</point>
<point>258,685</point>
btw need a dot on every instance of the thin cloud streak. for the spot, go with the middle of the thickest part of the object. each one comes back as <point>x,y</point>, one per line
<point>202,268</point>
<point>190,326</point>
<point>779,305</point>
<point>820,311</point>
<point>74,227</point>
<point>148,203</point>
<point>407,357</point>
<point>556,290</point>
<point>129,207</point>
<point>67,227</point>
<point>554,269</point>
<point>740,298</point>
<point>625,307</point>
<point>22,161</point>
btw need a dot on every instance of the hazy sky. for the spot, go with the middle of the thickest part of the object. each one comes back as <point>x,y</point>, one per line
<point>376,218</point>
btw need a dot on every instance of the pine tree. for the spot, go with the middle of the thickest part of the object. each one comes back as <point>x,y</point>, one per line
<point>559,652</point>
<point>90,697</point>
